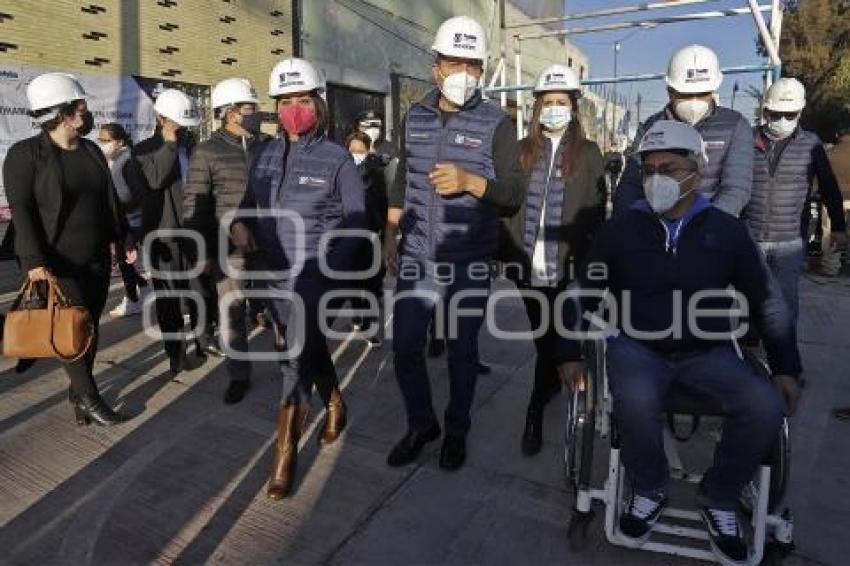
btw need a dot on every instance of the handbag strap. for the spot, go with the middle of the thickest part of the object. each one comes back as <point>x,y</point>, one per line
<point>54,291</point>
<point>24,292</point>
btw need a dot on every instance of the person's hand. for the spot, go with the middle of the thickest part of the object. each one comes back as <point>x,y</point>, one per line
<point>38,274</point>
<point>571,374</point>
<point>839,241</point>
<point>449,179</point>
<point>131,254</point>
<point>789,389</point>
<point>391,254</point>
<point>169,131</point>
<point>242,238</point>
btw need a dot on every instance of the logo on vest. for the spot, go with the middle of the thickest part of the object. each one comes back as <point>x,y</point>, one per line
<point>467,141</point>
<point>716,144</point>
<point>312,181</point>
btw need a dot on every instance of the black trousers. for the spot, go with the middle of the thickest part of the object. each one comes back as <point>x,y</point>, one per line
<point>545,372</point>
<point>88,286</point>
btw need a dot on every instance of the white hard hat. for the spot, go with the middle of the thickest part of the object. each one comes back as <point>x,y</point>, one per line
<point>53,89</point>
<point>785,95</point>
<point>177,106</point>
<point>233,91</point>
<point>295,75</point>
<point>461,37</point>
<point>672,134</point>
<point>557,78</point>
<point>694,69</point>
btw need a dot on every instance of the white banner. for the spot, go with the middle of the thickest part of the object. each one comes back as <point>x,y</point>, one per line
<point>113,98</point>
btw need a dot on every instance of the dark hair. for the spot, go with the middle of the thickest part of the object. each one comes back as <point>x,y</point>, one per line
<point>62,111</point>
<point>531,148</point>
<point>358,136</point>
<point>117,132</point>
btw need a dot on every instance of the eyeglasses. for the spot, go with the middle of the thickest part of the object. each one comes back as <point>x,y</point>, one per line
<point>779,115</point>
<point>666,170</point>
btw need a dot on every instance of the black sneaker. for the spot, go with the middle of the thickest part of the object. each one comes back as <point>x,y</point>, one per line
<point>640,516</point>
<point>727,538</point>
<point>453,452</point>
<point>409,447</point>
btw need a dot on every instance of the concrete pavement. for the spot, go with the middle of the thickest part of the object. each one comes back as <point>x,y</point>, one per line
<point>184,481</point>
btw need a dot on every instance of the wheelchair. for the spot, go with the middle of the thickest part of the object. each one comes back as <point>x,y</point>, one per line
<point>590,413</point>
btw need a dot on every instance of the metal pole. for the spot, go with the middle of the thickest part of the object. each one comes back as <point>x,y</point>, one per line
<point>520,129</point>
<point>646,24</point>
<point>503,97</point>
<point>766,38</point>
<point>614,94</point>
<point>608,12</point>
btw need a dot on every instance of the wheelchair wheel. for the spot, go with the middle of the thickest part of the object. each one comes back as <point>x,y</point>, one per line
<point>581,422</point>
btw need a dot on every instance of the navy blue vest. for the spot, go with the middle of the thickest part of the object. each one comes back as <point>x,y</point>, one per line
<point>778,197</point>
<point>552,185</point>
<point>459,228</point>
<point>306,188</point>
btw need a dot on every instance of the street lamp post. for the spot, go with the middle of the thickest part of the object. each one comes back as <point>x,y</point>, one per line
<point>614,95</point>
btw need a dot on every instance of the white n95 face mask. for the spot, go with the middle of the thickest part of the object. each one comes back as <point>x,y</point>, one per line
<point>555,118</point>
<point>458,88</point>
<point>359,157</point>
<point>662,192</point>
<point>781,128</point>
<point>691,111</point>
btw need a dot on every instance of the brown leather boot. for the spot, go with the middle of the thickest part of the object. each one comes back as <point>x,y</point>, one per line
<point>335,421</point>
<point>290,424</point>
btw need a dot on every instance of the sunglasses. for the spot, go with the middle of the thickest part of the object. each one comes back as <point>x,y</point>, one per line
<point>779,115</point>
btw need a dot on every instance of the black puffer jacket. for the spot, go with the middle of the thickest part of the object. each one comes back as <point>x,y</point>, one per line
<point>218,175</point>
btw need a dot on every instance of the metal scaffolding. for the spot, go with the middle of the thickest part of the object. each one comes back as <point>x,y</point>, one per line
<point>769,37</point>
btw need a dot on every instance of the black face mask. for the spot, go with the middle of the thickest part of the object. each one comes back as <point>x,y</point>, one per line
<point>88,124</point>
<point>252,122</point>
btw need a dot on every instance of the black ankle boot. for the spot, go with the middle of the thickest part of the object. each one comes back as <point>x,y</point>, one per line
<point>92,408</point>
<point>532,437</point>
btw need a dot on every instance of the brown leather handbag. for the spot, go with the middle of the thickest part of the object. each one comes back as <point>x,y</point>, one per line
<point>46,329</point>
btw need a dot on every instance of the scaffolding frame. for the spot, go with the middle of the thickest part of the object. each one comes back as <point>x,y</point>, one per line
<point>770,37</point>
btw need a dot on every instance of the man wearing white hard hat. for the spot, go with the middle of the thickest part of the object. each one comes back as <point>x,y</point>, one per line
<point>158,170</point>
<point>660,257</point>
<point>215,186</point>
<point>788,159</point>
<point>458,172</point>
<point>693,80</point>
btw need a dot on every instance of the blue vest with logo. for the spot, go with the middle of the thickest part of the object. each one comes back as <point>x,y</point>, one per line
<point>459,228</point>
<point>306,189</point>
<point>778,197</point>
<point>541,183</point>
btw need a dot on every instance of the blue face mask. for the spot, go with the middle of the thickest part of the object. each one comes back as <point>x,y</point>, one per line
<point>555,118</point>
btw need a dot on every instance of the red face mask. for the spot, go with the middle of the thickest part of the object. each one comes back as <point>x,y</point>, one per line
<point>296,119</point>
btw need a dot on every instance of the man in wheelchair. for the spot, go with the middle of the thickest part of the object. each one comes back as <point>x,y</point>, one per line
<point>658,262</point>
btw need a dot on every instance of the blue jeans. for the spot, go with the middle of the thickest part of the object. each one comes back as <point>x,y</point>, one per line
<point>787,263</point>
<point>411,317</point>
<point>753,409</point>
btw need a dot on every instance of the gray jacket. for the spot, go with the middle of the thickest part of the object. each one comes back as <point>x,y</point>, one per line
<point>727,179</point>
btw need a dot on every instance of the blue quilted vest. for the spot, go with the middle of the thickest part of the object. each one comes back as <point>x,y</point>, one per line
<point>778,197</point>
<point>307,188</point>
<point>456,229</point>
<point>552,186</point>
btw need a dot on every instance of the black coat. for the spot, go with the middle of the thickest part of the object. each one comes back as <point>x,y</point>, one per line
<point>34,187</point>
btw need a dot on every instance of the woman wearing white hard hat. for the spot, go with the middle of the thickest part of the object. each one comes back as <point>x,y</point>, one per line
<point>693,81</point>
<point>788,159</point>
<point>66,215</point>
<point>563,209</point>
<point>315,184</point>
<point>158,170</point>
